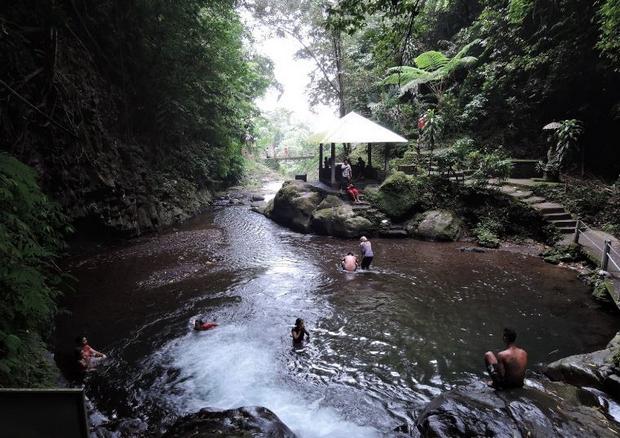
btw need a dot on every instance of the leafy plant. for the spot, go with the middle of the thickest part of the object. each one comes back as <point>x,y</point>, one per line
<point>432,68</point>
<point>31,231</point>
<point>566,138</point>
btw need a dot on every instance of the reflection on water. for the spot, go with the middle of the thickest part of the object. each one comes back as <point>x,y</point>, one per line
<point>383,343</point>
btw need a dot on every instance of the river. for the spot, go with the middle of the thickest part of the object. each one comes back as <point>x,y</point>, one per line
<point>383,343</point>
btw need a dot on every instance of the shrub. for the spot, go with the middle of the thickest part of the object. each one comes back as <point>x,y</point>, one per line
<point>31,230</point>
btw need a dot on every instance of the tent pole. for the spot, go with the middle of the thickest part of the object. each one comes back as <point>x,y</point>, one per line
<point>333,164</point>
<point>385,158</point>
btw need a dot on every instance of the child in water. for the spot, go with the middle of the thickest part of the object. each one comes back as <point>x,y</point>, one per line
<point>299,331</point>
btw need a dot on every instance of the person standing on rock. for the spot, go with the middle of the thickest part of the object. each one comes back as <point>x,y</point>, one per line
<point>507,369</point>
<point>347,173</point>
<point>367,254</point>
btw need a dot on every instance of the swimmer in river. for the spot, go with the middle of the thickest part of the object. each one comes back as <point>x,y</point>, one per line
<point>200,325</point>
<point>87,357</point>
<point>507,369</point>
<point>349,262</point>
<point>299,331</point>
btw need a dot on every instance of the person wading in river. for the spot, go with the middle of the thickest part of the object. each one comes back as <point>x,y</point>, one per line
<point>349,262</point>
<point>299,331</point>
<point>507,369</point>
<point>366,250</point>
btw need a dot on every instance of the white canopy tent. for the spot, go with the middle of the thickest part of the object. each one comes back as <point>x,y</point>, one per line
<point>352,128</point>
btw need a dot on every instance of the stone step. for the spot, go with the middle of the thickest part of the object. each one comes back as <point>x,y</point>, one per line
<point>557,216</point>
<point>508,189</point>
<point>520,194</point>
<point>549,207</point>
<point>566,230</point>
<point>534,200</point>
<point>564,223</point>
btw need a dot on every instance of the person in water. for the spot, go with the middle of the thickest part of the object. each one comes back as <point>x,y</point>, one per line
<point>87,357</point>
<point>507,368</point>
<point>349,262</point>
<point>299,331</point>
<point>366,250</point>
<point>200,325</point>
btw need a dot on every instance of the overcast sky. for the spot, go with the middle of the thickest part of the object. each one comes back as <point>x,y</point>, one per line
<point>293,74</point>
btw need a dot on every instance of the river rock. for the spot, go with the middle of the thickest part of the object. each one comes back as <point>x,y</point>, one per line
<point>590,369</point>
<point>340,221</point>
<point>541,409</point>
<point>251,421</point>
<point>436,225</point>
<point>293,205</point>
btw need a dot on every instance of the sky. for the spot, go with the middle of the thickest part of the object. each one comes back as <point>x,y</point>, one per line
<point>293,74</point>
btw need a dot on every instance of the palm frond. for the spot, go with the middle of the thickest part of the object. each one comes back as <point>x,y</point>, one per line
<point>431,60</point>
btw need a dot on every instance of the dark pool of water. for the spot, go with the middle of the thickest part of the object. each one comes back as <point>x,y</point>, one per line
<point>383,343</point>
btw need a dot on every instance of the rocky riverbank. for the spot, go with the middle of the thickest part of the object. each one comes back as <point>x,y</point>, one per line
<point>307,208</point>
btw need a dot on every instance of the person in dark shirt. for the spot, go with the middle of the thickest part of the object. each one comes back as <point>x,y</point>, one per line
<point>299,331</point>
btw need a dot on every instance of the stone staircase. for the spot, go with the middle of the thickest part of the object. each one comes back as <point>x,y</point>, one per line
<point>552,212</point>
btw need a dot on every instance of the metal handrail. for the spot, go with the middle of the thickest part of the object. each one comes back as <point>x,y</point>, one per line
<point>607,252</point>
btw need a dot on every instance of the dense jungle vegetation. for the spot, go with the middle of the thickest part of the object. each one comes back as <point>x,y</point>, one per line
<point>493,72</point>
<point>126,114</point>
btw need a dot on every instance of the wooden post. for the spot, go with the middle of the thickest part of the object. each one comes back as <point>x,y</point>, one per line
<point>385,158</point>
<point>333,164</point>
<point>320,158</point>
<point>369,151</point>
<point>576,236</point>
<point>605,260</point>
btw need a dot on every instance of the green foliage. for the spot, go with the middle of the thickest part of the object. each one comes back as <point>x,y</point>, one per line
<point>31,231</point>
<point>563,253</point>
<point>518,10</point>
<point>566,137</point>
<point>595,203</point>
<point>486,233</point>
<point>432,68</point>
<point>139,94</point>
<point>609,43</point>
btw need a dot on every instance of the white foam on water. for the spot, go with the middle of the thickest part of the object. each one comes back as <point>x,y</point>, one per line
<point>235,366</point>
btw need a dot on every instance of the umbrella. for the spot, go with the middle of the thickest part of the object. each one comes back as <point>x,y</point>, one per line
<point>552,125</point>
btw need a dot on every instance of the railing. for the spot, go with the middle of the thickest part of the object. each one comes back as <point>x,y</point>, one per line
<point>608,253</point>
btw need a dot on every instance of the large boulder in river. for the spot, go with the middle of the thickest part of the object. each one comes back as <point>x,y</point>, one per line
<point>253,421</point>
<point>541,409</point>
<point>336,218</point>
<point>293,205</point>
<point>597,369</point>
<point>436,225</point>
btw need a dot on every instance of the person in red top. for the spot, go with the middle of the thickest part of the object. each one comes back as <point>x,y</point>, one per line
<point>354,193</point>
<point>200,325</point>
<point>88,358</point>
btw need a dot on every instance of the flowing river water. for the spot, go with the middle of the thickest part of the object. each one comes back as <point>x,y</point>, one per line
<point>383,343</point>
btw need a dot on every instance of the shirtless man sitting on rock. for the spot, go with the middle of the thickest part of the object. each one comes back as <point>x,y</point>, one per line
<point>349,262</point>
<point>507,369</point>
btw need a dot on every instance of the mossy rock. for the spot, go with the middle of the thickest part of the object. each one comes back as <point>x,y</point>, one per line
<point>329,202</point>
<point>439,225</point>
<point>340,221</point>
<point>293,205</point>
<point>398,196</point>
